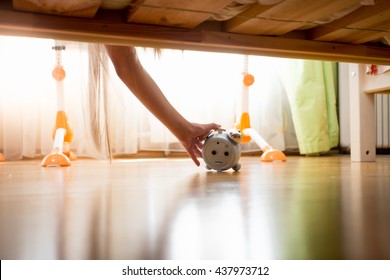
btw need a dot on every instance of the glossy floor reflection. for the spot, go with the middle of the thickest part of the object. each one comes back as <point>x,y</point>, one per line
<point>307,208</point>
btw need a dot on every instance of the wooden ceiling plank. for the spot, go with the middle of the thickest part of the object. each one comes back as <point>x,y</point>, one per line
<point>246,18</point>
<point>362,32</point>
<point>367,17</point>
<point>187,14</point>
<point>286,16</point>
<point>134,7</point>
<point>360,36</point>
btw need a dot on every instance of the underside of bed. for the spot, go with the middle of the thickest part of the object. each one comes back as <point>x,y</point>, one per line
<point>346,31</point>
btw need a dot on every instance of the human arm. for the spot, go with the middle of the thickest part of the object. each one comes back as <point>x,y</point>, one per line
<point>141,84</point>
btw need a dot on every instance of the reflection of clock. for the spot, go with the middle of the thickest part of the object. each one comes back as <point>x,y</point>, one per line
<point>221,150</point>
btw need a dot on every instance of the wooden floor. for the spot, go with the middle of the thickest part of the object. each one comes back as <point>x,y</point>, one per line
<point>307,208</point>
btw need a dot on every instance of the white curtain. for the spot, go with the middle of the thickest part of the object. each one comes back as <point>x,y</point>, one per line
<point>203,86</point>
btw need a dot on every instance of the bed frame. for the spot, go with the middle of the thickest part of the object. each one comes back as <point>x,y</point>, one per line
<point>362,88</point>
<point>286,28</point>
<point>274,30</point>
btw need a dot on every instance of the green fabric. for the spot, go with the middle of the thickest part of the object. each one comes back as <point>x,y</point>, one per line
<point>312,92</point>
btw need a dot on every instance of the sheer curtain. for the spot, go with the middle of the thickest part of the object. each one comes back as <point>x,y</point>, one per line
<point>28,96</point>
<point>204,87</point>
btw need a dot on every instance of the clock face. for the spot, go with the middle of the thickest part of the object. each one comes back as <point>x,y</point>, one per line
<point>219,153</point>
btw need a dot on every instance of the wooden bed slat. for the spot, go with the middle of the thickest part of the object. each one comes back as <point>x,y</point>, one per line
<point>104,31</point>
<point>363,25</point>
<point>186,14</point>
<point>284,17</point>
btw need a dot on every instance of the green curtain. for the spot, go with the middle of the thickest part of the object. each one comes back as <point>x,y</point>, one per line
<point>311,87</point>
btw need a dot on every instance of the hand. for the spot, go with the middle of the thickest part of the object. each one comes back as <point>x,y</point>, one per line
<point>193,137</point>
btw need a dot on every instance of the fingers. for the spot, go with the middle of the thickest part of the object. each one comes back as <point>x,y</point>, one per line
<point>195,145</point>
<point>211,126</point>
<point>214,125</point>
<point>198,153</point>
<point>207,129</point>
<point>195,151</point>
<point>194,157</point>
<point>198,142</point>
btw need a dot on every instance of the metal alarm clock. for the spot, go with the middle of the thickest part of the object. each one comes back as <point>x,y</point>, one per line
<point>222,150</point>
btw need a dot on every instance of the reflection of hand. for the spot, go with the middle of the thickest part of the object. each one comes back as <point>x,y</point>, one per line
<point>192,139</point>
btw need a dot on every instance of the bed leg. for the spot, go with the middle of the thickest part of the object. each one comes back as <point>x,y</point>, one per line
<point>362,114</point>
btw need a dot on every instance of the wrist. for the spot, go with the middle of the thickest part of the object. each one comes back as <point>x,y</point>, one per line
<point>182,129</point>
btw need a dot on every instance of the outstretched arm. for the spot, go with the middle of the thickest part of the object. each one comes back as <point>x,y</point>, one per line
<point>141,84</point>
